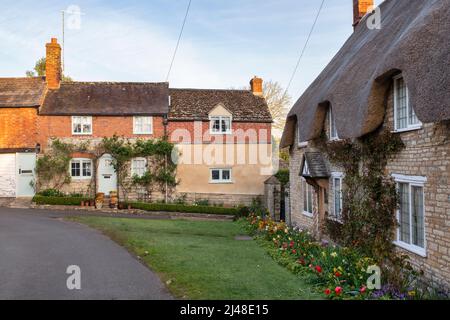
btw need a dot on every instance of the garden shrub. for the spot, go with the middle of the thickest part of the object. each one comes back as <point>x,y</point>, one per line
<point>51,193</point>
<point>65,201</point>
<point>183,208</point>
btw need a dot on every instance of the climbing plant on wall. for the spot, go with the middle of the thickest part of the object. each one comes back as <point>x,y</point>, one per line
<point>370,197</point>
<point>52,169</point>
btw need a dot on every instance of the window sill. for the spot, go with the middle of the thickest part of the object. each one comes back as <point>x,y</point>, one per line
<point>220,133</point>
<point>81,178</point>
<point>415,128</point>
<point>302,144</point>
<point>221,182</point>
<point>411,248</point>
<point>82,134</point>
<point>308,214</point>
<point>335,219</point>
<point>143,133</point>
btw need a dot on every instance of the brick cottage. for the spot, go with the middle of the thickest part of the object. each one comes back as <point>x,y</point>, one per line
<point>200,122</point>
<point>394,79</point>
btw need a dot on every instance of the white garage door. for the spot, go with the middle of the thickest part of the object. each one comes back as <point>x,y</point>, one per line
<point>7,175</point>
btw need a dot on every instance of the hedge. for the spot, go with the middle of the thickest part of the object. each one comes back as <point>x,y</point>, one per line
<point>65,201</point>
<point>183,208</point>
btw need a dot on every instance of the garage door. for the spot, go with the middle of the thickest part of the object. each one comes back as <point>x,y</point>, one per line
<point>7,175</point>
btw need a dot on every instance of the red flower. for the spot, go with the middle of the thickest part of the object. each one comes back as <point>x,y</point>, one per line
<point>337,274</point>
<point>319,269</point>
<point>363,289</point>
<point>327,292</point>
<point>294,251</point>
<point>301,261</point>
<point>292,244</point>
<point>338,290</point>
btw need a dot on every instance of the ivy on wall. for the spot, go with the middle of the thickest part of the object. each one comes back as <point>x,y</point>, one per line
<point>370,198</point>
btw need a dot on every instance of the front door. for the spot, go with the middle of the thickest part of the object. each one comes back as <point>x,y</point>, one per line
<point>25,165</point>
<point>107,177</point>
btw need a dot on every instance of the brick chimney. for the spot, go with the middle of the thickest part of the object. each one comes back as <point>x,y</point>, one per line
<point>256,85</point>
<point>53,64</point>
<point>360,9</point>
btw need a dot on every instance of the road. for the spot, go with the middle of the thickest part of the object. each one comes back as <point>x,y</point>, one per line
<point>37,247</point>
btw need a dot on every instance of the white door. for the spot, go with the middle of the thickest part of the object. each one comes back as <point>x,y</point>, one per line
<point>107,177</point>
<point>7,175</point>
<point>25,165</point>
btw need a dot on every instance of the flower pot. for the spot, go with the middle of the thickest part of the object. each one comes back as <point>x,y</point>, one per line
<point>82,203</point>
<point>99,204</point>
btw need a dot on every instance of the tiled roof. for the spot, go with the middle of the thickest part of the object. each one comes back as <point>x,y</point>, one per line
<point>195,104</point>
<point>316,164</point>
<point>107,98</point>
<point>21,92</point>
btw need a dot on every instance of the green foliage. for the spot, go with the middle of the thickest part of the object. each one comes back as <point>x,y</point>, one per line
<point>201,202</point>
<point>51,193</point>
<point>53,168</point>
<point>369,197</point>
<point>39,71</point>
<point>57,200</point>
<point>183,208</point>
<point>283,176</point>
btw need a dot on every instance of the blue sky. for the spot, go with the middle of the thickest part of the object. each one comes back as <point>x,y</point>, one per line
<point>225,42</point>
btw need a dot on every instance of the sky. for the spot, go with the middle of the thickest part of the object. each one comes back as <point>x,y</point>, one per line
<point>225,42</point>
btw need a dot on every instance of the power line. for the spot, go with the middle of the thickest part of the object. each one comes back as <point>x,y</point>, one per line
<point>179,39</point>
<point>304,47</point>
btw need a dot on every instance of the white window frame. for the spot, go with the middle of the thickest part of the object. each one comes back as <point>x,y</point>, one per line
<point>412,181</point>
<point>135,129</point>
<point>82,133</point>
<point>332,120</point>
<point>409,127</point>
<point>220,118</point>
<point>310,188</point>
<point>81,161</point>
<point>133,167</point>
<point>339,176</point>
<point>221,180</point>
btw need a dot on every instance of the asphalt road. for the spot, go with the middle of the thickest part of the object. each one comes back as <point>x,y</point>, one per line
<point>36,248</point>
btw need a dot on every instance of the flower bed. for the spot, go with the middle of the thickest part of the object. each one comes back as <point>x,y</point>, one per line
<point>338,272</point>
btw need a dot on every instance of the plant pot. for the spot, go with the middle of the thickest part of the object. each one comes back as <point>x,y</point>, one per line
<point>98,204</point>
<point>82,203</point>
<point>129,207</point>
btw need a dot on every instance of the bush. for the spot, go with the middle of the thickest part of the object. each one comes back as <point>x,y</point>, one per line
<point>183,208</point>
<point>51,193</point>
<point>65,201</point>
<point>202,203</point>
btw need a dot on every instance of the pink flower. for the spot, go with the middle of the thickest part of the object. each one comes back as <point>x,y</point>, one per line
<point>327,292</point>
<point>338,290</point>
<point>363,289</point>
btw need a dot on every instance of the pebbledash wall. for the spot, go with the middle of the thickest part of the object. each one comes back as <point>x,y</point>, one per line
<point>427,154</point>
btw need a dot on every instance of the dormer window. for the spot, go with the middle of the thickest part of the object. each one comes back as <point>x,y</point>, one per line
<point>404,116</point>
<point>333,129</point>
<point>220,124</point>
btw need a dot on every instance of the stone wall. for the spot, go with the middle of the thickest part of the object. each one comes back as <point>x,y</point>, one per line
<point>427,154</point>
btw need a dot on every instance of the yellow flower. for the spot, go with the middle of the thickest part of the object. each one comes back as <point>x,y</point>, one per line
<point>411,293</point>
<point>333,254</point>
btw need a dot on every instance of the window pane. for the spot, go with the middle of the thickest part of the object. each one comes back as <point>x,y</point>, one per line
<point>226,124</point>
<point>412,116</point>
<point>309,189</point>
<point>86,169</point>
<point>401,104</point>
<point>417,216</point>
<point>333,130</point>
<point>226,176</point>
<point>75,169</point>
<point>305,196</point>
<point>215,175</point>
<point>337,197</point>
<point>404,212</point>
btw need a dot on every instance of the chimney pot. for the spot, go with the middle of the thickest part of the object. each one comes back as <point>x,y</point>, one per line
<point>53,73</point>
<point>256,85</point>
<point>360,9</point>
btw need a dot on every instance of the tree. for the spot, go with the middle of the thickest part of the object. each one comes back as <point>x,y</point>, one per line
<point>278,101</point>
<point>39,71</point>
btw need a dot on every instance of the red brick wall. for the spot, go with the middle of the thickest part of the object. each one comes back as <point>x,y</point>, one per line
<point>103,126</point>
<point>261,131</point>
<point>18,127</point>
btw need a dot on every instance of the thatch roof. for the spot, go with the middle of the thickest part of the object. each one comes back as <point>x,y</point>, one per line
<point>414,39</point>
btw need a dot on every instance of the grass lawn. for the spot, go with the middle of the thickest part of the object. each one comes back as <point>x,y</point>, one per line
<point>202,260</point>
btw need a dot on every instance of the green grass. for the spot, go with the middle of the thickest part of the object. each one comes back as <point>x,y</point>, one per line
<point>202,260</point>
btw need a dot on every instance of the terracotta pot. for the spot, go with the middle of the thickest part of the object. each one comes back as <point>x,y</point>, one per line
<point>82,203</point>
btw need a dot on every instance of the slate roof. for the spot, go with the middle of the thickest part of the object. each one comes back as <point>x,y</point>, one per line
<point>195,104</point>
<point>414,39</point>
<point>107,98</point>
<point>317,165</point>
<point>21,92</point>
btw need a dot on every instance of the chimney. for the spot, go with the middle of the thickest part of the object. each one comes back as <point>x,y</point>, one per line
<point>256,85</point>
<point>53,64</point>
<point>360,9</point>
